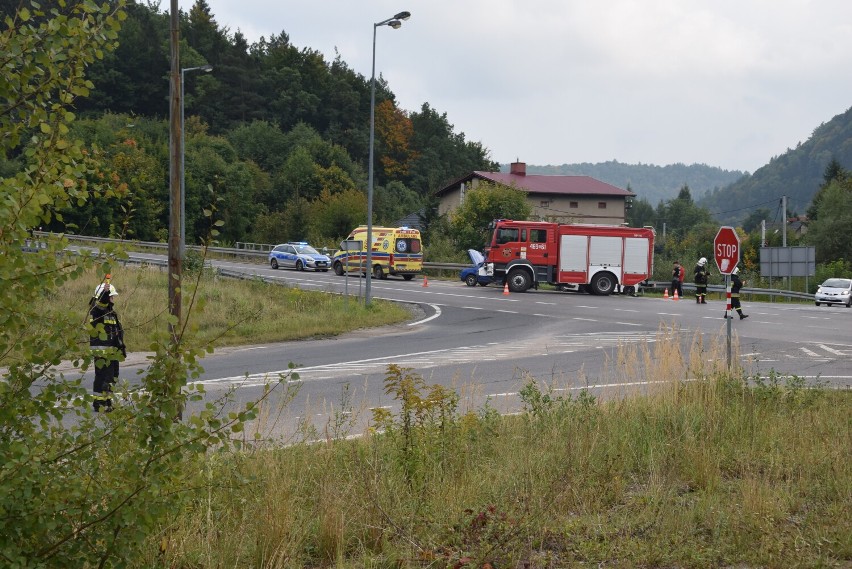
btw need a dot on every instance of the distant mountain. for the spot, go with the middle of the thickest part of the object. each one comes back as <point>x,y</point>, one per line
<point>649,182</point>
<point>797,174</point>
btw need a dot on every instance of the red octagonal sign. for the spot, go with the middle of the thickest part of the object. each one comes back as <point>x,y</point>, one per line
<point>726,249</point>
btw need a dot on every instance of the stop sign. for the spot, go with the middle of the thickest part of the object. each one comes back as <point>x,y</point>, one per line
<point>726,249</point>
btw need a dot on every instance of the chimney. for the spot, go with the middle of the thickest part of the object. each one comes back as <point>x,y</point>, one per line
<point>519,168</point>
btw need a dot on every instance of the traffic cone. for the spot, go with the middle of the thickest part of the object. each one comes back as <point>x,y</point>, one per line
<point>675,297</point>
<point>506,289</point>
<point>425,281</point>
<point>666,294</point>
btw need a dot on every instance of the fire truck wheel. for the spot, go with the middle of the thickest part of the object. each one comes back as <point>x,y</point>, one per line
<point>408,277</point>
<point>338,269</point>
<point>519,281</point>
<point>603,284</point>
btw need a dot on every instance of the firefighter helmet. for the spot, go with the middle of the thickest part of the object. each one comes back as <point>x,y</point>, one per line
<point>100,290</point>
<point>702,261</point>
<point>736,271</point>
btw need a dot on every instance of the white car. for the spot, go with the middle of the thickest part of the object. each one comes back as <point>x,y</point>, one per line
<point>834,291</point>
<point>298,255</point>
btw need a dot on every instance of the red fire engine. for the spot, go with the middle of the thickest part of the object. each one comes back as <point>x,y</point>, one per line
<point>597,258</point>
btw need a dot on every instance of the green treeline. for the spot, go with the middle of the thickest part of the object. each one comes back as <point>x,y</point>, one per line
<point>276,138</point>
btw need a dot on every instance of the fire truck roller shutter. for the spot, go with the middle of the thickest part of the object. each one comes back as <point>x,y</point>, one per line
<point>604,264</point>
<point>636,251</point>
<point>574,253</point>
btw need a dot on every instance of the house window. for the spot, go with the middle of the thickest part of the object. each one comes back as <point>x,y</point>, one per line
<point>544,203</point>
<point>601,205</point>
<point>574,205</point>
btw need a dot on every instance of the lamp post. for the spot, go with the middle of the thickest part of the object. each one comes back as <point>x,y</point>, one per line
<point>394,23</point>
<point>206,69</point>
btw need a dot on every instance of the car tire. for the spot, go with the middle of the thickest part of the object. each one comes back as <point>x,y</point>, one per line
<point>408,277</point>
<point>300,266</point>
<point>817,303</point>
<point>273,263</point>
<point>470,280</point>
<point>338,269</point>
<point>378,273</point>
<point>849,303</point>
<point>603,284</point>
<point>519,280</point>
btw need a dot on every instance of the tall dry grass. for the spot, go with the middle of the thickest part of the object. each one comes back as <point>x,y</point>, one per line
<point>222,311</point>
<point>704,467</point>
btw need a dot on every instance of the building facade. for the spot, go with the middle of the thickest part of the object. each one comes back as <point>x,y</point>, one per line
<point>561,199</point>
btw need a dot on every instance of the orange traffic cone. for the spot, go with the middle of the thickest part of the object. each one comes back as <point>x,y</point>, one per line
<point>675,297</point>
<point>506,289</point>
<point>666,294</point>
<point>425,281</point>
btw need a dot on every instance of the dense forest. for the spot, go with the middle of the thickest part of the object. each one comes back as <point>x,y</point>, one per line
<point>276,137</point>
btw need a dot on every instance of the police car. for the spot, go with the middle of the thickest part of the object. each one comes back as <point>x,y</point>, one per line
<point>298,255</point>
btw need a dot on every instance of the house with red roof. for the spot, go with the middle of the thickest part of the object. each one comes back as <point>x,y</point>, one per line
<point>563,199</point>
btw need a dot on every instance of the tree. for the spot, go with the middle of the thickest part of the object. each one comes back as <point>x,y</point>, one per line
<point>829,232</point>
<point>76,489</point>
<point>482,205</point>
<point>337,214</point>
<point>393,138</point>
<point>641,214</point>
<point>833,172</point>
<point>755,218</point>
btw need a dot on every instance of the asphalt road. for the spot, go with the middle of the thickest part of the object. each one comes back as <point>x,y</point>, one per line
<point>486,345</point>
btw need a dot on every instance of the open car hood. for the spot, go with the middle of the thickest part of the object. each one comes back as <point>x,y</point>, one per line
<point>475,257</point>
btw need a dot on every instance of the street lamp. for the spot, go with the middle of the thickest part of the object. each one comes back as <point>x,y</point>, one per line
<point>394,23</point>
<point>206,69</point>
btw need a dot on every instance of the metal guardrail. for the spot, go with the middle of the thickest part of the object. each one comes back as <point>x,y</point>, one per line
<point>770,292</point>
<point>256,254</point>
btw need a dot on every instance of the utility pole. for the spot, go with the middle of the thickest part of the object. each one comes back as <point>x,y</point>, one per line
<point>175,152</point>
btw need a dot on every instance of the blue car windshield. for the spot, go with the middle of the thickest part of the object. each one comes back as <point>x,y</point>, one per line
<point>306,250</point>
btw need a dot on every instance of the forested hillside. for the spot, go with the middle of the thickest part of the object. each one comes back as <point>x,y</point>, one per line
<point>276,137</point>
<point>651,183</point>
<point>798,174</point>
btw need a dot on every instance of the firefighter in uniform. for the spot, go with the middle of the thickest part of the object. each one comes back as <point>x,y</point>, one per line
<point>702,275</point>
<point>736,285</point>
<point>677,279</point>
<point>106,340</point>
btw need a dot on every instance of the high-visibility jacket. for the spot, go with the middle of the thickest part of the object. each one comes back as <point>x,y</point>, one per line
<point>112,335</point>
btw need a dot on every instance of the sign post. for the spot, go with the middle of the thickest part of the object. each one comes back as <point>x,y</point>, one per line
<point>726,250</point>
<point>348,245</point>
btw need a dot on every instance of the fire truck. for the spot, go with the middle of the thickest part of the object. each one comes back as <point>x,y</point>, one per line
<point>600,259</point>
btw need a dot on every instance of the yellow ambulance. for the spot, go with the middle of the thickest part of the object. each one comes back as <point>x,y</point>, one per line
<point>395,251</point>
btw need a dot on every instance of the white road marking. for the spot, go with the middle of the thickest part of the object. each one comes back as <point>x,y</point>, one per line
<point>437,314</point>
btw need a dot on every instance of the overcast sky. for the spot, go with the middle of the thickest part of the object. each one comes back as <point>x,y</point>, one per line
<point>721,82</point>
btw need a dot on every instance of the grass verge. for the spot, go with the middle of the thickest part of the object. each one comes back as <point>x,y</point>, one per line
<point>702,468</point>
<point>224,311</point>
